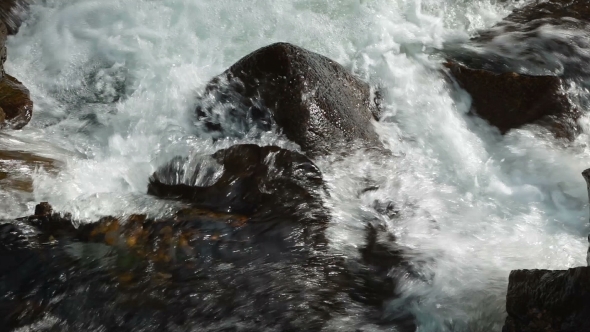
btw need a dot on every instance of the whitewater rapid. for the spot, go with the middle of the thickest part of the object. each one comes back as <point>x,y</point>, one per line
<point>115,85</point>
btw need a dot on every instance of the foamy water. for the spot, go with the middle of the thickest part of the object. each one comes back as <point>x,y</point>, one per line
<point>115,84</point>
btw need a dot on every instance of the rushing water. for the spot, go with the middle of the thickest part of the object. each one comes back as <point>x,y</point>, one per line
<point>115,84</point>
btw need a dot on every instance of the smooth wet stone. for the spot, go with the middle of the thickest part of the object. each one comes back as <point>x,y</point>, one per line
<point>511,100</point>
<point>264,181</point>
<point>548,301</point>
<point>315,101</point>
<point>515,69</point>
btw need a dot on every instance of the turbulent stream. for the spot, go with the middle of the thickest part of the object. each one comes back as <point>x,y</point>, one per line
<point>115,85</point>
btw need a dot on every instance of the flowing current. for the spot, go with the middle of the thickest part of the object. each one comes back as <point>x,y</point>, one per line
<point>115,85</point>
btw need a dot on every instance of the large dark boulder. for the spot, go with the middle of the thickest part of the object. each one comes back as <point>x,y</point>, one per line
<point>315,101</point>
<point>511,100</point>
<point>549,301</point>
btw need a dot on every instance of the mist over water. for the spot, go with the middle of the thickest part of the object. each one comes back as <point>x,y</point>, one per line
<point>115,85</point>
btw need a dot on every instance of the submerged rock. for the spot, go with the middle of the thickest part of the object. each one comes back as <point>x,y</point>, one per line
<point>251,179</point>
<point>511,100</point>
<point>316,102</point>
<point>551,301</point>
<point>15,103</point>
<point>199,269</point>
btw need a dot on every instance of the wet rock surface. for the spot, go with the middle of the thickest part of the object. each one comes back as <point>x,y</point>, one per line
<point>15,102</point>
<point>518,70</point>
<point>315,101</point>
<point>251,180</point>
<point>511,100</point>
<point>200,269</point>
<point>552,301</point>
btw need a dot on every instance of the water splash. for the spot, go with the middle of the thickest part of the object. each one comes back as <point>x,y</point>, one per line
<point>115,86</point>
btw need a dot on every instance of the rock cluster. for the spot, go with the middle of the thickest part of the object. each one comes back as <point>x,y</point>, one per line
<point>250,247</point>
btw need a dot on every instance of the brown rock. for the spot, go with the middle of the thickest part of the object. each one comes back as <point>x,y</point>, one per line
<point>551,301</point>
<point>15,102</point>
<point>17,167</point>
<point>317,102</point>
<point>511,100</point>
<point>517,79</point>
